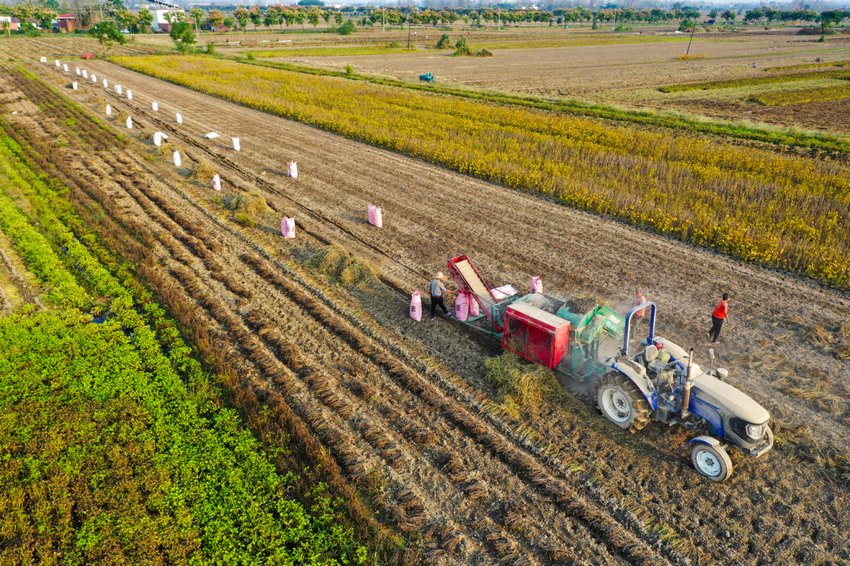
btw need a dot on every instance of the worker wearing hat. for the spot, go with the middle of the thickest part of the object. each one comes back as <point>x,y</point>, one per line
<point>437,290</point>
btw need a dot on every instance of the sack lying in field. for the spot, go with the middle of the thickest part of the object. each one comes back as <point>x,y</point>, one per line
<point>376,217</point>
<point>108,110</point>
<point>74,86</point>
<point>474,309</point>
<point>94,78</point>
<point>129,94</point>
<point>211,135</point>
<point>287,228</point>
<point>117,89</point>
<point>78,70</point>
<point>216,182</point>
<point>292,169</point>
<point>85,74</point>
<point>65,66</point>
<point>158,137</point>
<point>236,144</point>
<point>129,123</point>
<point>416,307</point>
<point>179,119</point>
<point>105,84</point>
<point>462,307</point>
<point>177,160</point>
<point>44,59</point>
<point>536,285</point>
<point>58,64</point>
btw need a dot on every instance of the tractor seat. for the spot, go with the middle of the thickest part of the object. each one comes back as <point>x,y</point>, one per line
<point>650,353</point>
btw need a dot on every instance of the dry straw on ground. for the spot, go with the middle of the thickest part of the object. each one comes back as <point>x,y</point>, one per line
<point>522,387</point>
<point>251,204</point>
<point>202,172</point>
<point>338,265</point>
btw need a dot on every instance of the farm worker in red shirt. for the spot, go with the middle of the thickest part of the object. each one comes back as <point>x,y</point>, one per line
<point>721,311</point>
<point>637,318</point>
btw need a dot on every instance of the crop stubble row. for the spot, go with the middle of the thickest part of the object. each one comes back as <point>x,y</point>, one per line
<point>569,248</point>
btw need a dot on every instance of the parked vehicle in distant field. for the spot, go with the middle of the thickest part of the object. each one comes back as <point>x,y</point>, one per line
<point>427,77</point>
<point>89,56</point>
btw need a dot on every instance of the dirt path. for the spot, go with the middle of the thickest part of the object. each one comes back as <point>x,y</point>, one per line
<point>626,498</point>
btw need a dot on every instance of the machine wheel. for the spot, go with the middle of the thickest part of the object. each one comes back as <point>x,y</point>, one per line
<point>711,461</point>
<point>621,402</point>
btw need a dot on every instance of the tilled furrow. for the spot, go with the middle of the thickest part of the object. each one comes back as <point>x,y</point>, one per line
<point>610,532</point>
<point>219,310</point>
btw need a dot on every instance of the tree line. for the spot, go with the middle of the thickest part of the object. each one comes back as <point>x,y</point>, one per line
<point>86,14</point>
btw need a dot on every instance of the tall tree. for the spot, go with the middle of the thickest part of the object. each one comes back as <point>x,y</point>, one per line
<point>197,15</point>
<point>241,15</point>
<point>215,18</point>
<point>145,20</point>
<point>256,15</point>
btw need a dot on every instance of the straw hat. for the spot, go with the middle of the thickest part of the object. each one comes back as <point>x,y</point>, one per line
<point>440,275</point>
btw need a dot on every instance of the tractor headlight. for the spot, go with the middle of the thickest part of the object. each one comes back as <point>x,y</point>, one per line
<point>756,431</point>
<point>748,432</point>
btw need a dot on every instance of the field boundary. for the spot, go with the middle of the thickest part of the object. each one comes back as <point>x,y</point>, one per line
<point>715,128</point>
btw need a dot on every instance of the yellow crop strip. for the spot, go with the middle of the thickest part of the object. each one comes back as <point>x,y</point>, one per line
<point>781,211</point>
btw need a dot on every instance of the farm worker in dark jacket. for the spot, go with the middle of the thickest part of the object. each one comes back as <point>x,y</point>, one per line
<point>437,291</point>
<point>721,311</point>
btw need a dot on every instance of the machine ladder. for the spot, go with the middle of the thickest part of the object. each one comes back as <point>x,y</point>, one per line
<point>469,280</point>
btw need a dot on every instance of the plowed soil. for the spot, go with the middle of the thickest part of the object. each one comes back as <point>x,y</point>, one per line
<point>629,74</point>
<point>402,405</point>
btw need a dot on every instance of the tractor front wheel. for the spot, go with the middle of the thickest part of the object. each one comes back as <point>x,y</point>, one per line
<point>711,461</point>
<point>621,402</point>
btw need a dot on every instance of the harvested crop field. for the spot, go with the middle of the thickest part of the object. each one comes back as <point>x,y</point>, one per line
<point>628,74</point>
<point>403,408</point>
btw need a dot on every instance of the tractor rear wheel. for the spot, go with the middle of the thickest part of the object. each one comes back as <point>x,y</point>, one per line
<point>622,402</point>
<point>711,461</point>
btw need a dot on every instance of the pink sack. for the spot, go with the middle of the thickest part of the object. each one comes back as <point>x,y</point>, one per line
<point>216,182</point>
<point>474,309</point>
<point>536,285</point>
<point>416,307</point>
<point>287,227</point>
<point>376,217</point>
<point>462,307</point>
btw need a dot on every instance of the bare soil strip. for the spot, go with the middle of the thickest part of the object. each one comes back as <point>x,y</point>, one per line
<point>441,463</point>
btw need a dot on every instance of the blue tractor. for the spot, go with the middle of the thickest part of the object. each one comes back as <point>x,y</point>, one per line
<point>660,381</point>
<point>657,380</point>
<point>427,77</point>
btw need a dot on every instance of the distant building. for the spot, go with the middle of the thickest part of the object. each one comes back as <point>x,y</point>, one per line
<point>14,23</point>
<point>67,23</point>
<point>159,21</point>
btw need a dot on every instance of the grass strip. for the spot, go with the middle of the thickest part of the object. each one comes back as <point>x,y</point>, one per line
<point>775,210</point>
<point>810,66</point>
<point>586,41</point>
<point>734,130</point>
<point>755,81</point>
<point>333,51</point>
<point>785,98</point>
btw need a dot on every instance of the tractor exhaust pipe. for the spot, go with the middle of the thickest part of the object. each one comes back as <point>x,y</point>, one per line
<point>686,396</point>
